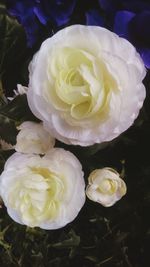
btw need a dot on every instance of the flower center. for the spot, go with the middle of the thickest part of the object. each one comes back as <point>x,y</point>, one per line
<point>81,84</point>
<point>107,186</point>
<point>37,195</point>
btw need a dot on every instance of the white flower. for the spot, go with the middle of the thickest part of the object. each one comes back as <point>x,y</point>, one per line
<point>86,85</point>
<point>105,186</point>
<point>47,192</point>
<point>33,138</point>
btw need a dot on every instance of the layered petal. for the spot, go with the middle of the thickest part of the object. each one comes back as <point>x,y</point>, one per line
<point>86,92</point>
<point>47,192</point>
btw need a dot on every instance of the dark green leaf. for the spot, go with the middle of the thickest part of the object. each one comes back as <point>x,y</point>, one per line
<point>13,114</point>
<point>12,40</point>
<point>12,46</point>
<point>73,241</point>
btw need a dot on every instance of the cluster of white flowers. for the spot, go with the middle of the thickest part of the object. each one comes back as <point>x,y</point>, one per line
<point>46,191</point>
<point>86,88</point>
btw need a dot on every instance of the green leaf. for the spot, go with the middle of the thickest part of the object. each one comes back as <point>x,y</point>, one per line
<point>72,241</point>
<point>12,47</point>
<point>11,34</point>
<point>3,99</point>
<point>13,114</point>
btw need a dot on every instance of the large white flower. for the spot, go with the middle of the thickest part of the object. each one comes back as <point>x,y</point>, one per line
<point>86,85</point>
<point>105,186</point>
<point>44,191</point>
<point>33,138</point>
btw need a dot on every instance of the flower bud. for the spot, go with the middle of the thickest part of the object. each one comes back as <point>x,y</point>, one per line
<point>105,186</point>
<point>33,138</point>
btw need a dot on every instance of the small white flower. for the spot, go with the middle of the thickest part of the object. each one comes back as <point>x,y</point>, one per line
<point>33,138</point>
<point>105,186</point>
<point>85,84</point>
<point>47,191</point>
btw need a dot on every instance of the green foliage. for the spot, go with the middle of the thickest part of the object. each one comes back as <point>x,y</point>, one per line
<point>12,48</point>
<point>12,114</point>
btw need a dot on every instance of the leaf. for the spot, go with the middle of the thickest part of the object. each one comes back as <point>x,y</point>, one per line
<point>12,47</point>
<point>121,237</point>
<point>91,258</point>
<point>3,99</point>
<point>11,34</point>
<point>3,243</point>
<point>73,241</point>
<point>13,114</point>
<point>17,109</point>
<point>8,129</point>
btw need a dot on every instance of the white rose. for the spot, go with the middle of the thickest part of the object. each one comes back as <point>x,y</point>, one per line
<point>33,138</point>
<point>47,192</point>
<point>86,85</point>
<point>105,186</point>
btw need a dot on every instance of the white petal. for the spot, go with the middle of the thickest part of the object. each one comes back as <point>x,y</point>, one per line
<point>119,63</point>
